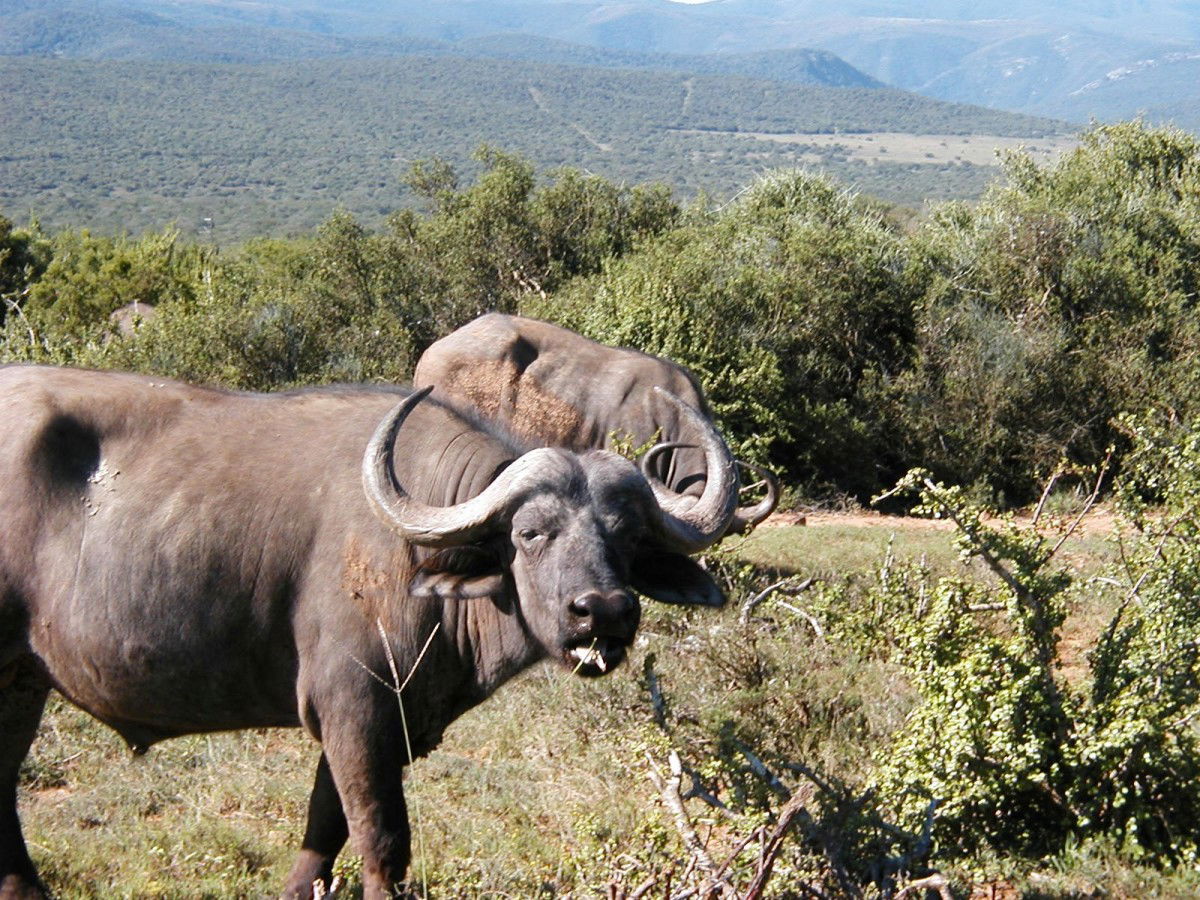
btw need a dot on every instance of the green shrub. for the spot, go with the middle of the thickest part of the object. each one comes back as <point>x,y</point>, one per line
<point>1023,758</point>
<point>788,305</point>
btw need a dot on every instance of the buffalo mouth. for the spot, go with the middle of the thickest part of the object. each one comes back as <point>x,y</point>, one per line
<point>594,656</point>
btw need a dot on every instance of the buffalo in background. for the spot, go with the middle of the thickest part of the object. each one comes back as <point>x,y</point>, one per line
<point>560,389</point>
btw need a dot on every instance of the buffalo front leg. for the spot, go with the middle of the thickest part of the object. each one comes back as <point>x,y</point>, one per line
<point>23,690</point>
<point>364,762</point>
<point>324,836</point>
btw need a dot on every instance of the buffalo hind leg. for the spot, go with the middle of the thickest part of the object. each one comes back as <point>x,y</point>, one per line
<point>23,690</point>
<point>324,836</point>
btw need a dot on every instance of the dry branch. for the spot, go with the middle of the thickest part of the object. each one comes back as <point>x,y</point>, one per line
<point>783,587</point>
<point>760,769</point>
<point>935,882</point>
<point>668,789</point>
<point>787,817</point>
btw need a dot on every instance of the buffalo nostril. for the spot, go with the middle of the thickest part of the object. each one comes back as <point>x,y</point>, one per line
<point>585,605</point>
<point>593,605</point>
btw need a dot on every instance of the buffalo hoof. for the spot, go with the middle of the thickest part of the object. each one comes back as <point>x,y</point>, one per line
<point>310,877</point>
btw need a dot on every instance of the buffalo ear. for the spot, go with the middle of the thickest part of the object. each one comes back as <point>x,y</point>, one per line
<point>675,578</point>
<point>460,573</point>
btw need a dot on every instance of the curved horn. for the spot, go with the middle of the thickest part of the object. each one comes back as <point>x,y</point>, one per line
<point>648,458</point>
<point>746,517</point>
<point>692,523</point>
<point>442,526</point>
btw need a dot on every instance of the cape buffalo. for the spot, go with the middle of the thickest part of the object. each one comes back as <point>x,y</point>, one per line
<point>560,389</point>
<point>177,559</point>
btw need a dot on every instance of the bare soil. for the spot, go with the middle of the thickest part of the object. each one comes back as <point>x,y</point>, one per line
<point>1100,520</point>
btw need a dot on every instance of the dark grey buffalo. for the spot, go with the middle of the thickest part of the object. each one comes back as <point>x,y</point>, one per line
<point>176,559</point>
<point>560,389</point>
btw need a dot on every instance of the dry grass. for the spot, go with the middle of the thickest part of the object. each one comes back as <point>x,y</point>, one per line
<point>542,791</point>
<point>925,149</point>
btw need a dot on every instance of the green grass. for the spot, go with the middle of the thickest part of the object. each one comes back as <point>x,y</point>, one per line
<point>208,815</point>
<point>832,551</point>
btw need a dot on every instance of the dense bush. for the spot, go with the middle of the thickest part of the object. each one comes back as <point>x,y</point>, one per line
<point>346,304</point>
<point>1067,296</point>
<point>789,304</point>
<point>985,343</point>
<point>24,255</point>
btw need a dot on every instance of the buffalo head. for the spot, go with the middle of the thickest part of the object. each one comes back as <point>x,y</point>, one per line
<point>567,538</point>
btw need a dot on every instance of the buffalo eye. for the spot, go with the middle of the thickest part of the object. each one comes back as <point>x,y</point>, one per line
<point>532,535</point>
<point>624,531</point>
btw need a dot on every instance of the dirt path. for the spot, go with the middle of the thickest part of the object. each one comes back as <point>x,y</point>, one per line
<point>540,101</point>
<point>1099,521</point>
<point>689,86</point>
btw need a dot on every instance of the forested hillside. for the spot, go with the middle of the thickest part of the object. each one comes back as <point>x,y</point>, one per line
<point>276,148</point>
<point>1064,59</point>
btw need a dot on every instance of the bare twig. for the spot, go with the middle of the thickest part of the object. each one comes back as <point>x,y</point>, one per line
<point>398,687</point>
<point>787,817</point>
<point>668,789</point>
<point>700,792</point>
<point>659,704</point>
<point>758,833</point>
<point>986,607</point>
<point>935,882</point>
<point>1087,506</point>
<point>783,587</point>
<point>925,844</point>
<point>806,615</point>
<point>420,656</point>
<point>644,888</point>
<point>15,307</point>
<point>1041,504</point>
<point>801,769</point>
<point>760,769</point>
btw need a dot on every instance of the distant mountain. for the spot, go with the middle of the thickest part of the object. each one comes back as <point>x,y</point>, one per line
<point>1075,59</point>
<point>110,30</point>
<point>215,33</point>
<point>1071,73</point>
<point>796,66</point>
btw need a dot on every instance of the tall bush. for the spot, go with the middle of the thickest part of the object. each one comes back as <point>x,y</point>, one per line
<point>1067,296</point>
<point>791,307</point>
<point>1021,755</point>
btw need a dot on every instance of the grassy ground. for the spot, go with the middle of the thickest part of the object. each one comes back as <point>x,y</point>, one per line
<point>544,790</point>
<point>921,149</point>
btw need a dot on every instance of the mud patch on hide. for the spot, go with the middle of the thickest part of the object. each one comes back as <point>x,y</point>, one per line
<point>489,388</point>
<point>502,391</point>
<point>371,583</point>
<point>548,419</point>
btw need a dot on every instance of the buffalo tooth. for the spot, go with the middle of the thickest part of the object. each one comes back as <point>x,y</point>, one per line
<point>590,656</point>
